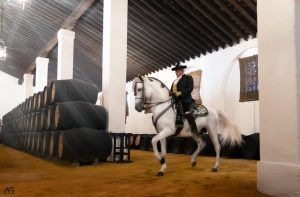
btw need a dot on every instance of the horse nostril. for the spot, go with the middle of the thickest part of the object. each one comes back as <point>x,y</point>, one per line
<point>138,108</point>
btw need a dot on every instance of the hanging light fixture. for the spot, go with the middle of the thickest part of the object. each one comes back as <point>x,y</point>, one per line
<point>2,45</point>
<point>19,3</point>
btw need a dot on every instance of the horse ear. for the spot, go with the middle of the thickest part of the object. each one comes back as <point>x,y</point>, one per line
<point>140,77</point>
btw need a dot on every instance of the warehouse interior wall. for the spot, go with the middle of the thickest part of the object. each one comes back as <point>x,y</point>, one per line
<point>220,88</point>
<point>11,93</point>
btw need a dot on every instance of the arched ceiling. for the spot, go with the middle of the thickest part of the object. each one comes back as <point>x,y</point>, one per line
<point>160,33</point>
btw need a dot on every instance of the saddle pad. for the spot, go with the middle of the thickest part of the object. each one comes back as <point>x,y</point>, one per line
<point>200,111</point>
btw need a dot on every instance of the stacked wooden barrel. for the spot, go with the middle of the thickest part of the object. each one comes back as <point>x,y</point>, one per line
<point>60,123</point>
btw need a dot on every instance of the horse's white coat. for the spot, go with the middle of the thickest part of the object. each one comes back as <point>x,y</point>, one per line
<point>215,122</point>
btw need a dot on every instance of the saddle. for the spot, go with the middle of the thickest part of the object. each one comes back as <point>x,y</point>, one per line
<point>198,111</point>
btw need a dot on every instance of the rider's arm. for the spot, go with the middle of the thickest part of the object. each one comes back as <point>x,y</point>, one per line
<point>189,86</point>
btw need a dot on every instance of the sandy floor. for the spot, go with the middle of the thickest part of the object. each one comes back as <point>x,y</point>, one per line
<point>28,175</point>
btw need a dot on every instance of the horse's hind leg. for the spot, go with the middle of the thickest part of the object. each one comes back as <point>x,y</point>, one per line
<point>212,131</point>
<point>200,145</point>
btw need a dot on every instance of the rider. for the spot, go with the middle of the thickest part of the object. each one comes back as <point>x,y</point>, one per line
<point>182,88</point>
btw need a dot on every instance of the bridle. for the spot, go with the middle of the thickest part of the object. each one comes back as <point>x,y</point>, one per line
<point>143,93</point>
<point>148,105</point>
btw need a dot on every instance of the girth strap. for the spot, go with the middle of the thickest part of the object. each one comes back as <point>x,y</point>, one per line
<point>160,115</point>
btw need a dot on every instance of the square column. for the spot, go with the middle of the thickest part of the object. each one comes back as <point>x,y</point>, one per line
<point>278,171</point>
<point>28,85</point>
<point>65,54</point>
<point>114,62</point>
<point>41,75</point>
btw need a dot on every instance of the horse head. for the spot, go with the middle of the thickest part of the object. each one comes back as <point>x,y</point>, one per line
<point>139,93</point>
<point>149,92</point>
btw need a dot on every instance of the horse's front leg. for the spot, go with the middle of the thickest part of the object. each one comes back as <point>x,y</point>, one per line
<point>163,162</point>
<point>161,136</point>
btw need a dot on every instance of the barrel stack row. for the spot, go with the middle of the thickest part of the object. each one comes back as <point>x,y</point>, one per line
<point>179,145</point>
<point>61,123</point>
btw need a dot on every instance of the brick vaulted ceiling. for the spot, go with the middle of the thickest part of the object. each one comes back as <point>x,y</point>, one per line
<point>160,33</point>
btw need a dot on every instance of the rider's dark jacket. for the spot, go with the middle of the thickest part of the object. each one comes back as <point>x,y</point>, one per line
<point>185,85</point>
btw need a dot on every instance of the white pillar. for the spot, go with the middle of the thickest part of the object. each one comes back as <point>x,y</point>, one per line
<point>114,62</point>
<point>41,74</point>
<point>65,54</point>
<point>28,85</point>
<point>278,171</point>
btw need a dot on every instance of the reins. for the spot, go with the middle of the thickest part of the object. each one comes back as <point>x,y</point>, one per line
<point>155,104</point>
<point>161,114</point>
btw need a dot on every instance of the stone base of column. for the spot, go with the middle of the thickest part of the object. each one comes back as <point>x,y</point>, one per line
<point>278,179</point>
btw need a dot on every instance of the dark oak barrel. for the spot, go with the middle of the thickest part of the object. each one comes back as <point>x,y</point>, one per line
<point>53,145</point>
<point>144,141</point>
<point>137,141</point>
<point>45,151</point>
<point>79,114</point>
<point>50,118</point>
<point>40,101</point>
<point>250,148</point>
<point>71,90</point>
<point>84,145</point>
<point>189,146</point>
<point>177,145</point>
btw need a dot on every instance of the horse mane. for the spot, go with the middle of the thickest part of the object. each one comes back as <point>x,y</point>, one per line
<point>151,79</point>
<point>162,83</point>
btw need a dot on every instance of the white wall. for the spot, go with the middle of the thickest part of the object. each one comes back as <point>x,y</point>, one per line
<point>220,87</point>
<point>11,93</point>
<point>278,171</point>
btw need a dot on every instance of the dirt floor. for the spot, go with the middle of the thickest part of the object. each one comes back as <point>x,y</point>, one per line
<point>22,174</point>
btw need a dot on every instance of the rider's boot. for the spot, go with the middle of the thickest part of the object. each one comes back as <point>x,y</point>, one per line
<point>191,119</point>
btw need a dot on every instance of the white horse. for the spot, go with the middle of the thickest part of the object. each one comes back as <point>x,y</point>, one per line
<point>152,95</point>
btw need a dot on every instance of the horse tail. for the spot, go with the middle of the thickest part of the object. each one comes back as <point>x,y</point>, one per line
<point>230,132</point>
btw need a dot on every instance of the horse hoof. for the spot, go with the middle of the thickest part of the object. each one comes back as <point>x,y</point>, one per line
<point>193,164</point>
<point>160,174</point>
<point>214,169</point>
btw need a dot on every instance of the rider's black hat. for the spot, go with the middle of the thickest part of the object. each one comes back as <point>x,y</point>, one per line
<point>178,66</point>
